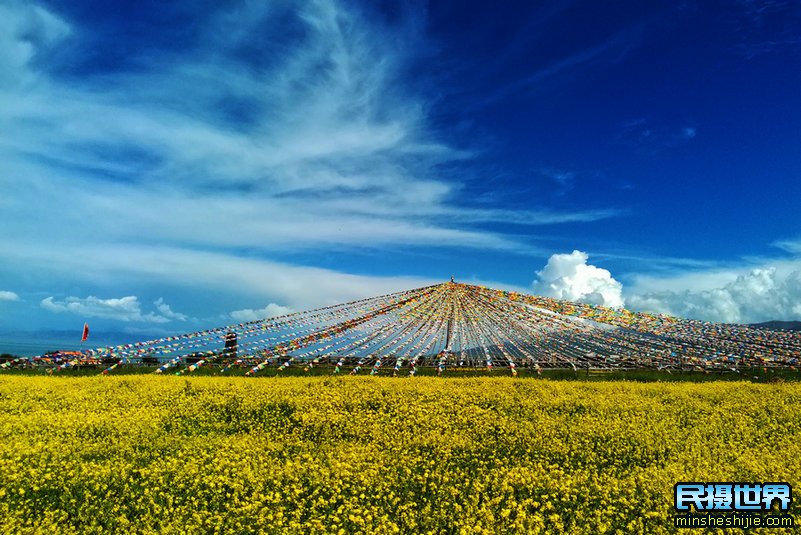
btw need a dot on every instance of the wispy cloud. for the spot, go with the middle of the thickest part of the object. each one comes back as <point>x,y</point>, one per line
<point>658,263</point>
<point>298,287</point>
<point>562,180</point>
<point>790,246</point>
<point>765,26</point>
<point>216,150</point>
<point>612,48</point>
<point>646,136</point>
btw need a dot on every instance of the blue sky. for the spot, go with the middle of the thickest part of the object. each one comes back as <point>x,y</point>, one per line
<point>165,167</point>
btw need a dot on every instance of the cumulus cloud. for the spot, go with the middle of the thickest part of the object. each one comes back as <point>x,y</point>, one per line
<point>249,314</point>
<point>760,295</point>
<point>167,312</point>
<point>570,277</point>
<point>768,292</point>
<point>6,295</point>
<point>123,308</point>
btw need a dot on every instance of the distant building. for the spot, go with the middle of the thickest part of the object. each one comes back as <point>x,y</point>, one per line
<point>230,345</point>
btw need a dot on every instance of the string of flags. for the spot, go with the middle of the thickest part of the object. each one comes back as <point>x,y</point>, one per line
<point>453,325</point>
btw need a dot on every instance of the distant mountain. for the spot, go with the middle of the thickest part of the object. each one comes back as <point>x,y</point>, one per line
<point>786,325</point>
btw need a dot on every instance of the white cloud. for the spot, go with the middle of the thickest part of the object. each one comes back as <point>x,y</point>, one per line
<point>563,179</point>
<point>213,165</point>
<point>297,287</point>
<point>568,276</point>
<point>167,312</point>
<point>122,309</point>
<point>325,152</point>
<point>25,31</point>
<point>770,290</point>
<point>791,246</point>
<point>249,314</point>
<point>652,137</point>
<point>759,295</point>
<point>329,150</point>
<point>6,295</point>
<point>680,279</point>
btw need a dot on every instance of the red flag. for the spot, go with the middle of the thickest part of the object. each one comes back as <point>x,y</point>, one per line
<point>85,334</point>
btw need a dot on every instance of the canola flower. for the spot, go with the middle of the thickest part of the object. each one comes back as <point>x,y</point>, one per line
<point>350,454</point>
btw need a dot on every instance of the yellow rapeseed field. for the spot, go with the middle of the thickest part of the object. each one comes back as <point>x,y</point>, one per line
<point>150,454</point>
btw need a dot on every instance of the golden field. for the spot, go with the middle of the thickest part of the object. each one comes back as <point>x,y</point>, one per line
<point>151,454</point>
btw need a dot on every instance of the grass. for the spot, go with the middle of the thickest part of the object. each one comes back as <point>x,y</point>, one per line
<point>639,375</point>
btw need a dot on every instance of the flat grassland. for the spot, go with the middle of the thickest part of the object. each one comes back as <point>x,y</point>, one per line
<point>153,454</point>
